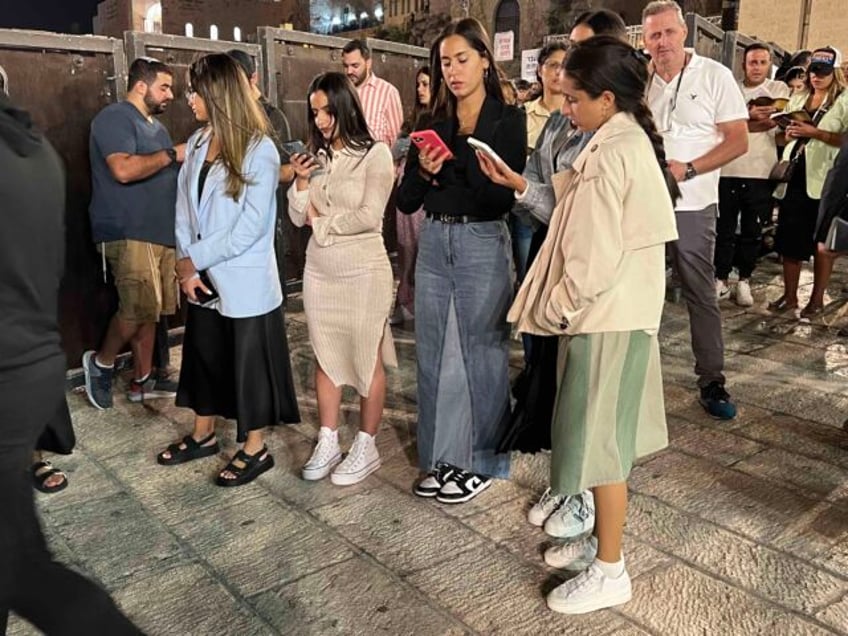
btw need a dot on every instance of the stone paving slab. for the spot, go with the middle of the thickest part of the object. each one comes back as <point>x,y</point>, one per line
<point>737,528</point>
<point>353,597</point>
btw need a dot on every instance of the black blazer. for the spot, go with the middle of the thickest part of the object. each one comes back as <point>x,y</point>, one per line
<point>461,188</point>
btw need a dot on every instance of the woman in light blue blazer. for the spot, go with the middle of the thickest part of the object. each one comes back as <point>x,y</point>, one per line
<point>235,356</point>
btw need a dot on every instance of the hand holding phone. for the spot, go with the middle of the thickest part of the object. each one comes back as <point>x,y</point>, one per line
<point>486,149</point>
<point>430,140</point>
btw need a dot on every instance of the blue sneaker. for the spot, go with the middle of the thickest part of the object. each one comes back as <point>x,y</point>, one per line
<point>716,401</point>
<point>98,382</point>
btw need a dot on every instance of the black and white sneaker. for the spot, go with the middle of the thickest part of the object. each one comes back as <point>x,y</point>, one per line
<point>434,481</point>
<point>462,486</point>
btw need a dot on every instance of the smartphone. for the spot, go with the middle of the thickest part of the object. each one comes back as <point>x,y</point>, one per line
<point>203,298</point>
<point>297,147</point>
<point>486,149</point>
<point>430,139</point>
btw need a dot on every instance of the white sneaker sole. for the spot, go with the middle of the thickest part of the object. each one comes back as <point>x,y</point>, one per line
<point>577,565</point>
<point>86,359</point>
<point>458,500</point>
<point>349,479</point>
<point>314,474</point>
<point>586,529</point>
<point>590,604</point>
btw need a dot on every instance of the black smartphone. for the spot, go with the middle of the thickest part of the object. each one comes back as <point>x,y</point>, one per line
<point>297,147</point>
<point>202,297</point>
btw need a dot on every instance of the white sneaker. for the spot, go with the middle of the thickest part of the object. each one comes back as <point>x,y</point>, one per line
<point>325,456</point>
<point>574,556</point>
<point>575,517</point>
<point>543,508</point>
<point>589,591</point>
<point>362,460</point>
<point>722,290</point>
<point>744,297</point>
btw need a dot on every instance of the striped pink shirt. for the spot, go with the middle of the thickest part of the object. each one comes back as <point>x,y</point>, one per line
<point>383,110</point>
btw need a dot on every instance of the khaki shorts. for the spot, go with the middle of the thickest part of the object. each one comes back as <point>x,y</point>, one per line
<point>145,277</point>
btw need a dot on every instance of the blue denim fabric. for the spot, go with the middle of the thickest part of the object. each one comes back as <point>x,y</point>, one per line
<point>463,290</point>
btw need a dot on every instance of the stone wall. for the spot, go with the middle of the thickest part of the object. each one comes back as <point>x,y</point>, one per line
<point>228,14</point>
<point>828,23</point>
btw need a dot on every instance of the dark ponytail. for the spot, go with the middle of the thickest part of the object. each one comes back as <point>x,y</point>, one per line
<point>605,63</point>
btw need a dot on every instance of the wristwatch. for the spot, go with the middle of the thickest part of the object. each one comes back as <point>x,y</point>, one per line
<point>172,154</point>
<point>690,172</point>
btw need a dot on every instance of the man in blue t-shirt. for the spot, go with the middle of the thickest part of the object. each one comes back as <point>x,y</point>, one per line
<point>134,191</point>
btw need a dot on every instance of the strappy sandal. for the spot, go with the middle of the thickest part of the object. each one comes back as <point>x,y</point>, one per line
<point>253,467</point>
<point>193,450</point>
<point>39,480</point>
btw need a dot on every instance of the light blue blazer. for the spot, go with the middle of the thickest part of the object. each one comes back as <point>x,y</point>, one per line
<point>232,240</point>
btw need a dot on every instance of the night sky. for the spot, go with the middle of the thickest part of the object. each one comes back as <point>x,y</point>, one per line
<point>65,16</point>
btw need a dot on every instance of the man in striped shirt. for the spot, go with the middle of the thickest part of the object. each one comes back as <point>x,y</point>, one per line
<point>380,100</point>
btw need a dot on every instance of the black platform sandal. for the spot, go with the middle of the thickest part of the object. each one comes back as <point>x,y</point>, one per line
<point>253,467</point>
<point>39,480</point>
<point>193,450</point>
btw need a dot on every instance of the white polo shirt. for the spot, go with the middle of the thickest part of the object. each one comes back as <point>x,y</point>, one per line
<point>686,117</point>
<point>762,149</point>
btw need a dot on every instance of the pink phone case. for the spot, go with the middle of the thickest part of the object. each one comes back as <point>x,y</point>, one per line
<point>430,139</point>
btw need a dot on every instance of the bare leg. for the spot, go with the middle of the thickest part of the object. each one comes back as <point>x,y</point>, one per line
<point>142,348</point>
<point>371,407</point>
<point>610,512</point>
<point>329,399</point>
<point>120,332</point>
<point>791,276</point>
<point>822,269</point>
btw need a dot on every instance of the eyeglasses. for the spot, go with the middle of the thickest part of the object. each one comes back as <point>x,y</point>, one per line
<point>553,66</point>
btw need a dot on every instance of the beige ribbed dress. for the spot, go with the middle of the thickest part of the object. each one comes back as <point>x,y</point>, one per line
<point>347,280</point>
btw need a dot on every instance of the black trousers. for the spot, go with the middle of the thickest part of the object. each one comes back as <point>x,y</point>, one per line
<point>745,202</point>
<point>52,597</point>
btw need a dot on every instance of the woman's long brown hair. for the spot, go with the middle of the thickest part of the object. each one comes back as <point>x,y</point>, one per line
<point>236,117</point>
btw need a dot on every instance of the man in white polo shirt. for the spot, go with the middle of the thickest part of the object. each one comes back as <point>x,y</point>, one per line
<point>744,190</point>
<point>700,112</point>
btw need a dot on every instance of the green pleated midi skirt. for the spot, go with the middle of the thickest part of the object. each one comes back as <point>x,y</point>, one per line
<point>609,409</point>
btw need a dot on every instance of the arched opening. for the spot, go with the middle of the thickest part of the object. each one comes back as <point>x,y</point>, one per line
<point>213,32</point>
<point>236,34</point>
<point>508,18</point>
<point>189,30</point>
<point>153,18</point>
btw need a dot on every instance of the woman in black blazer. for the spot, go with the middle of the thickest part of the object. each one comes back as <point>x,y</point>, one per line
<point>464,274</point>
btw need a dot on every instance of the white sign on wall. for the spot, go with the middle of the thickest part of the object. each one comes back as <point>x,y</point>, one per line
<point>504,44</point>
<point>529,63</point>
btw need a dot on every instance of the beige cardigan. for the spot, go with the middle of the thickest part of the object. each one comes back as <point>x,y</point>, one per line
<point>602,265</point>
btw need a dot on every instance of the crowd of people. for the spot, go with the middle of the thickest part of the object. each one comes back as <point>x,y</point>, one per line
<point>556,220</point>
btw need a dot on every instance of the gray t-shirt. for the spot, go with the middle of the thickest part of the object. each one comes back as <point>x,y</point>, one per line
<point>143,210</point>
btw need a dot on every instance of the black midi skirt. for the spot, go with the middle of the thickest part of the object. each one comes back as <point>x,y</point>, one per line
<point>238,368</point>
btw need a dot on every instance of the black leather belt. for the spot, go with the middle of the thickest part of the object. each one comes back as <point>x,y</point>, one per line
<point>461,218</point>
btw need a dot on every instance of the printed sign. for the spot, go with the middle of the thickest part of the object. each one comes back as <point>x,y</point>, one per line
<point>529,62</point>
<point>504,44</point>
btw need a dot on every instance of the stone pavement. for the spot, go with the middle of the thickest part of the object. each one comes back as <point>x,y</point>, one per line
<point>737,528</point>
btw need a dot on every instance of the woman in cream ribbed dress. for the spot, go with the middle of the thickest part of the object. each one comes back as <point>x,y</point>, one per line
<point>342,192</point>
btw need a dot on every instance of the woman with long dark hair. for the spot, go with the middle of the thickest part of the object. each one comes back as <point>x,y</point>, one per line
<point>347,279</point>
<point>235,361</point>
<point>408,226</point>
<point>599,283</point>
<point>464,274</point>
